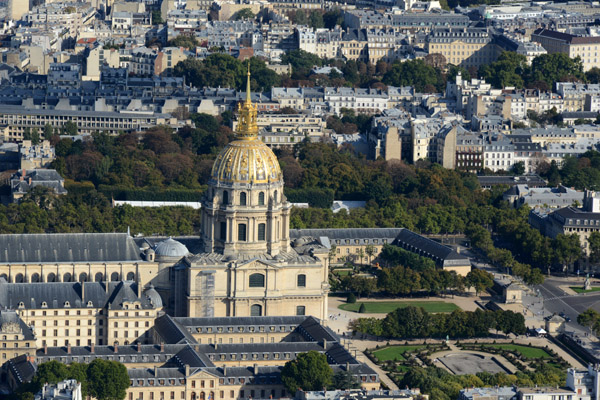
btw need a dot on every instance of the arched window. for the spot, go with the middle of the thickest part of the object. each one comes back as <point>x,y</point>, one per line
<point>256,310</point>
<point>51,277</point>
<point>275,197</point>
<point>114,276</point>
<point>242,232</point>
<point>301,280</point>
<point>130,276</point>
<point>225,197</point>
<point>83,277</point>
<point>261,231</point>
<point>243,199</point>
<point>35,277</point>
<point>257,280</point>
<point>261,199</point>
<point>99,277</point>
<point>67,277</point>
<point>19,278</point>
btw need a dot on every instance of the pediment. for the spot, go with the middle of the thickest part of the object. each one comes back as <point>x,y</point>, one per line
<point>256,264</point>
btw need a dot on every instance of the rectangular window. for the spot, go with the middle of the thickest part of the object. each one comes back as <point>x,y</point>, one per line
<point>261,231</point>
<point>300,310</point>
<point>223,231</point>
<point>242,232</point>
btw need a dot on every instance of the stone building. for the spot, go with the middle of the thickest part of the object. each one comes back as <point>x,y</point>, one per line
<point>247,266</point>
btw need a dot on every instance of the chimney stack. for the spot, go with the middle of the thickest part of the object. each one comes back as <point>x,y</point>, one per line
<point>187,370</point>
<point>162,347</point>
<point>224,370</point>
<point>155,371</point>
<point>68,348</point>
<point>324,344</point>
<point>92,348</point>
<point>139,349</point>
<point>45,349</point>
<point>116,347</point>
<point>255,369</point>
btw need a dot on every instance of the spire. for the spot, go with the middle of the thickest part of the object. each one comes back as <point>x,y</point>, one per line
<point>247,128</point>
<point>248,91</point>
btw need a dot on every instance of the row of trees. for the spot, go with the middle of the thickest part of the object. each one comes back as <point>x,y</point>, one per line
<point>101,379</point>
<point>41,211</point>
<point>441,385</point>
<point>415,322</point>
<point>512,69</point>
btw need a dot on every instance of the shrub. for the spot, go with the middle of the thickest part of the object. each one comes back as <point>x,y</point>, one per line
<point>362,309</point>
<point>351,299</point>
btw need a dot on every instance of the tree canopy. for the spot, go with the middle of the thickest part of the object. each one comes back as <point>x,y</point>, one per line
<point>308,371</point>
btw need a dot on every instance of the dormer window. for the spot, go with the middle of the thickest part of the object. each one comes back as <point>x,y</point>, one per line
<point>90,304</point>
<point>21,305</point>
<point>44,304</point>
<point>67,304</point>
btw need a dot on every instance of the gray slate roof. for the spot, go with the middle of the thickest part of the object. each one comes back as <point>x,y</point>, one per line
<point>67,247</point>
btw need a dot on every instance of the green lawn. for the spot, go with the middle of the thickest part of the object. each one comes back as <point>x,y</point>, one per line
<point>395,352</point>
<point>384,307</point>
<point>529,352</point>
<point>578,289</point>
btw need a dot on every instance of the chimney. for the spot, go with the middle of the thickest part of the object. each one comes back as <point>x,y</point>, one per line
<point>92,348</point>
<point>216,345</point>
<point>224,370</point>
<point>347,366</point>
<point>68,348</point>
<point>45,349</point>
<point>255,369</point>
<point>187,370</point>
<point>155,371</point>
<point>139,347</point>
<point>162,347</point>
<point>116,347</point>
<point>82,291</point>
<point>30,180</point>
<point>324,344</point>
<point>23,173</point>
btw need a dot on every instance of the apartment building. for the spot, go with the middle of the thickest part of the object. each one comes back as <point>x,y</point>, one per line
<point>584,47</point>
<point>574,94</point>
<point>365,101</point>
<point>469,153</point>
<point>498,153</point>
<point>17,119</point>
<point>467,47</point>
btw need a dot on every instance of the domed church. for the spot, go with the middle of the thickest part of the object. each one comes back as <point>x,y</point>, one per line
<point>248,266</point>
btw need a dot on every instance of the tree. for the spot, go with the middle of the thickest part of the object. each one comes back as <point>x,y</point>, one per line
<point>344,380</point>
<point>413,73</point>
<point>189,42</point>
<point>362,309</point>
<point>568,249</point>
<point>244,13</point>
<point>479,279</point>
<point>309,371</point>
<point>518,168</point>
<point>69,128</point>
<point>556,67</point>
<point>508,70</point>
<point>593,75</point>
<point>157,18</point>
<point>107,380</point>
<point>48,131</point>
<point>589,318</point>
<point>594,243</point>
<point>370,251</point>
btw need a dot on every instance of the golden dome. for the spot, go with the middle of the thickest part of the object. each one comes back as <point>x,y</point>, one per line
<point>247,159</point>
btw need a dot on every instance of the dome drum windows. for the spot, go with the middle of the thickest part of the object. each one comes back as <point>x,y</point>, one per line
<point>242,234</point>
<point>261,232</point>
<point>243,199</point>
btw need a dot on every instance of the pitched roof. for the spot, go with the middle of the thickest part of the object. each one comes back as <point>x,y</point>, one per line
<point>67,247</point>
